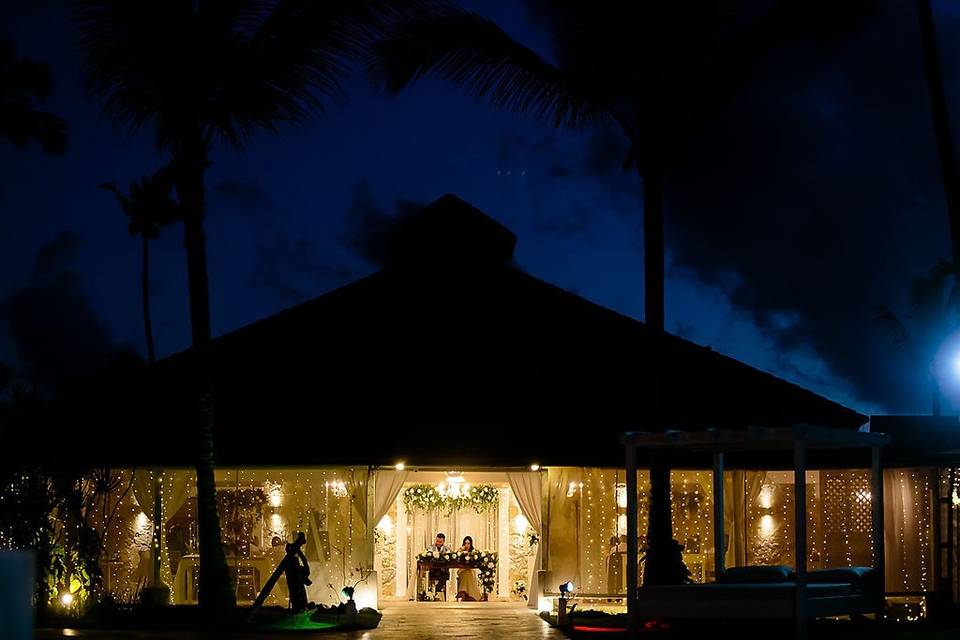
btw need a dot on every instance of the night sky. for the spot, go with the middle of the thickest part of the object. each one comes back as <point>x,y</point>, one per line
<point>792,212</point>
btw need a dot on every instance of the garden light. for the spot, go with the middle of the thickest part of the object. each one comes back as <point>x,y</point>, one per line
<point>566,588</point>
<point>66,598</point>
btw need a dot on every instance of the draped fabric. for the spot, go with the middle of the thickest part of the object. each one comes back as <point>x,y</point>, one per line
<point>387,486</point>
<point>907,530</point>
<point>423,527</point>
<point>174,492</point>
<point>740,488</point>
<point>527,489</point>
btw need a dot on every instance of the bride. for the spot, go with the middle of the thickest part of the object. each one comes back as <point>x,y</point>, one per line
<point>469,587</point>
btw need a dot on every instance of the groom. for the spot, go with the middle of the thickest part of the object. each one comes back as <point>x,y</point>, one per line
<point>437,575</point>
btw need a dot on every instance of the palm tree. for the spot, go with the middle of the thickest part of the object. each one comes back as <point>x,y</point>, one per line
<point>642,67</point>
<point>204,72</point>
<point>22,84</point>
<point>940,114</point>
<point>932,317</point>
<point>149,206</point>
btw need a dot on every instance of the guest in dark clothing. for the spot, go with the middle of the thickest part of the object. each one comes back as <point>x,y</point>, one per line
<point>297,572</point>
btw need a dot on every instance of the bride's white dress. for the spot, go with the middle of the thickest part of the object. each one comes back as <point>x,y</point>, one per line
<point>469,585</point>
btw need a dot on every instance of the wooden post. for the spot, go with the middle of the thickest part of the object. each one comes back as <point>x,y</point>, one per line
<point>800,528</point>
<point>876,517</point>
<point>632,540</point>
<point>544,522</point>
<point>369,550</point>
<point>719,536</point>
<point>157,528</point>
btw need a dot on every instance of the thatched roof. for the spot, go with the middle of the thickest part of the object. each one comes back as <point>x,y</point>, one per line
<point>449,355</point>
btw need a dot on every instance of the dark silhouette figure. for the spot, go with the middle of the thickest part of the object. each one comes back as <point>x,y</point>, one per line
<point>148,206</point>
<point>297,571</point>
<point>22,84</point>
<point>203,73</point>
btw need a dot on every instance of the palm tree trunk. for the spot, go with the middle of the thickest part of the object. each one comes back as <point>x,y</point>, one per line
<point>215,592</point>
<point>941,123</point>
<point>661,563</point>
<point>653,250</point>
<point>145,286</point>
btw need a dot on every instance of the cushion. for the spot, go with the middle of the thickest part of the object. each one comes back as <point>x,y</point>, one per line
<point>846,575</point>
<point>760,574</point>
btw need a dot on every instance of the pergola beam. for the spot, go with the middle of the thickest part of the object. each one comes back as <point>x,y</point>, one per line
<point>719,535</point>
<point>799,439</point>
<point>756,439</point>
<point>876,519</point>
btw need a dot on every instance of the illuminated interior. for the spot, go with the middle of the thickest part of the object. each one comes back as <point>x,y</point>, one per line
<point>260,509</point>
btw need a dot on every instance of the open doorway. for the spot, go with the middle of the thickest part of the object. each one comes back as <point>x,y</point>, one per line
<point>479,504</point>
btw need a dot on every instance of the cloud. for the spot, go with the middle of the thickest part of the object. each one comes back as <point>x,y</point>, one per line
<point>245,193</point>
<point>55,329</point>
<point>809,195</point>
<point>369,225</point>
<point>292,269</point>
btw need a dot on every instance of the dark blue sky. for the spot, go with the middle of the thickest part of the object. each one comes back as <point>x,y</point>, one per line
<point>791,214</point>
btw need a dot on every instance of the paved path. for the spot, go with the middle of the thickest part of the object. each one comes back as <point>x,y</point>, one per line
<point>401,621</point>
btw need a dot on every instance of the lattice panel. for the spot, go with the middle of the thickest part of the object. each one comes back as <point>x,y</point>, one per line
<point>846,497</point>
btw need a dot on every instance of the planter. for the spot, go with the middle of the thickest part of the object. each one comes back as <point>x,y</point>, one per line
<point>16,594</point>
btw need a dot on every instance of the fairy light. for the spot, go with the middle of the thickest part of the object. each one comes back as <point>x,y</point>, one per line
<point>588,511</point>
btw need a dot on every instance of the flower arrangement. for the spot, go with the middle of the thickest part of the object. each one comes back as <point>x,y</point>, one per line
<point>425,497</point>
<point>484,561</point>
<point>520,588</point>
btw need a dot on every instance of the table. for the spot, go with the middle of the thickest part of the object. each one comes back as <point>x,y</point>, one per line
<point>426,564</point>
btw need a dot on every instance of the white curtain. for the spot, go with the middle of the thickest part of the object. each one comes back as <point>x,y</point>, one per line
<point>423,527</point>
<point>907,529</point>
<point>387,486</point>
<point>527,489</point>
<point>175,491</point>
<point>741,489</point>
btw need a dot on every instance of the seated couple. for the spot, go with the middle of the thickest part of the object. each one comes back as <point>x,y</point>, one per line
<point>469,588</point>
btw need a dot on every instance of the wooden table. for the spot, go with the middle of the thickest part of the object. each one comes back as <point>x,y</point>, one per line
<point>427,564</point>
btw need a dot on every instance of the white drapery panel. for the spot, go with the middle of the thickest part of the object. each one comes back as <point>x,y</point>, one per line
<point>174,492</point>
<point>740,488</point>
<point>387,486</point>
<point>907,530</point>
<point>527,488</point>
<point>423,527</point>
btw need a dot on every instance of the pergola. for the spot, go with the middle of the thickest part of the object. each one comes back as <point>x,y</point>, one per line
<point>695,602</point>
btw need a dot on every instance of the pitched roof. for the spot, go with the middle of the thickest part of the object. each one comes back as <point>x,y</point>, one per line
<point>451,354</point>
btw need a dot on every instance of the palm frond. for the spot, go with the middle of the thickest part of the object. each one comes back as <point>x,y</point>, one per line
<point>476,54</point>
<point>930,299</point>
<point>223,69</point>
<point>889,321</point>
<point>149,204</point>
<point>22,83</point>
<point>21,122</point>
